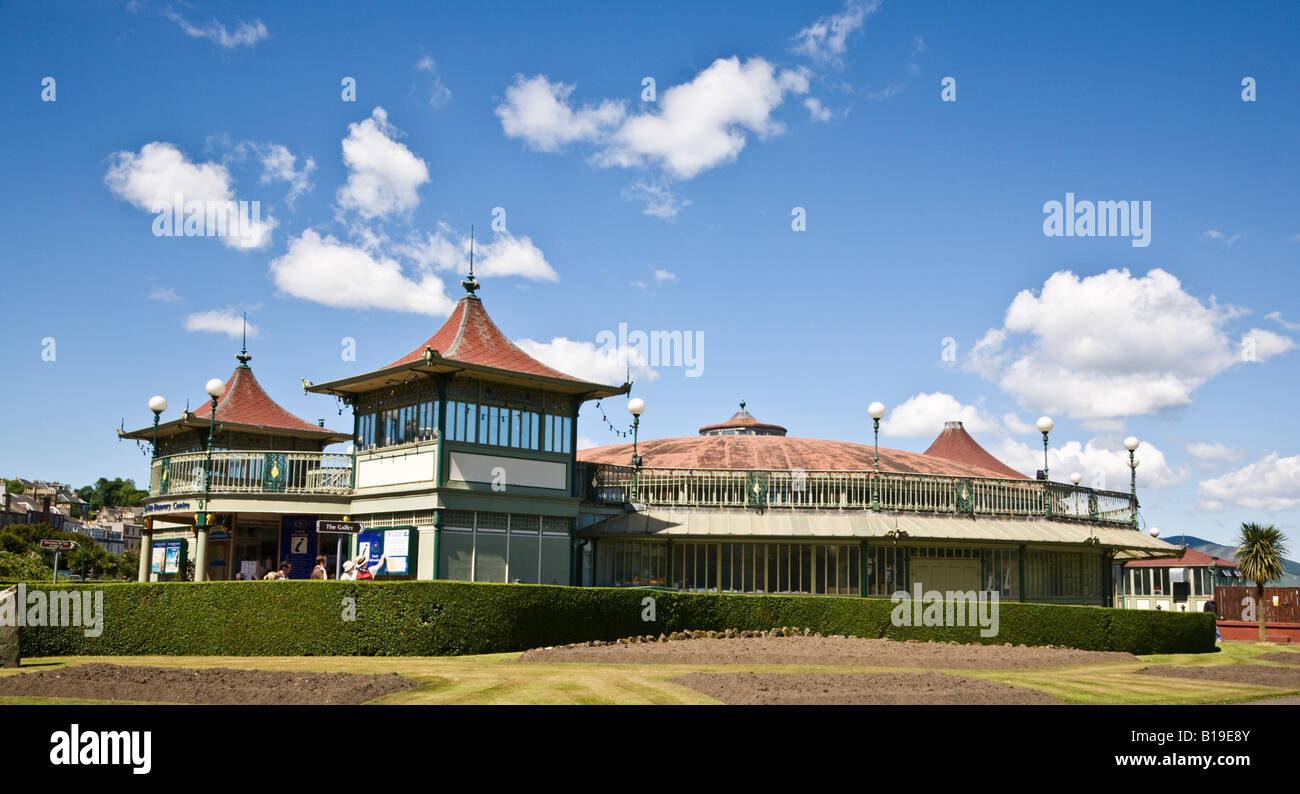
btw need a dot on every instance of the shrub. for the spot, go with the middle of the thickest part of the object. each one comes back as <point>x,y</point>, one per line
<point>303,618</point>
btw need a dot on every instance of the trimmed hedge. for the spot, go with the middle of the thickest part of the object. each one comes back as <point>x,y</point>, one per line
<point>421,618</point>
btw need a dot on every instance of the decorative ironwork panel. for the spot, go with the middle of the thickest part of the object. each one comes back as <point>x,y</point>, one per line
<point>275,472</point>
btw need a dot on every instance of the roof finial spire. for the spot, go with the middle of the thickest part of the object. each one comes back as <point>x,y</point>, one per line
<point>470,284</point>
<point>243,358</point>
<point>742,403</point>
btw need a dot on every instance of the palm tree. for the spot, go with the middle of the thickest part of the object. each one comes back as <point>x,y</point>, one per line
<point>1259,558</point>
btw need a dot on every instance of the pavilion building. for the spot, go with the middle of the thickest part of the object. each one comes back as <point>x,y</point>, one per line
<point>270,480</point>
<point>1185,583</point>
<point>744,508</point>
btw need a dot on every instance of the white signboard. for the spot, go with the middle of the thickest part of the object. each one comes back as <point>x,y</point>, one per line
<point>397,544</point>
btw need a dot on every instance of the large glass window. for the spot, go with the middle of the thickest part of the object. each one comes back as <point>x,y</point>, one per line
<point>404,424</point>
<point>558,429</point>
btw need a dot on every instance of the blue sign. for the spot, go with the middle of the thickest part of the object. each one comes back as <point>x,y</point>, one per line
<point>298,544</point>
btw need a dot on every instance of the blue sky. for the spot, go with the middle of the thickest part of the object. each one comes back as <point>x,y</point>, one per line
<point>923,219</point>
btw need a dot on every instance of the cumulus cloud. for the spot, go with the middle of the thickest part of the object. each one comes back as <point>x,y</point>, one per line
<point>816,109</point>
<point>505,254</point>
<point>165,295</point>
<point>1103,467</point>
<point>1277,318</point>
<point>383,175</point>
<point>1271,483</point>
<point>603,364</point>
<point>694,126</point>
<point>826,40</point>
<point>1205,450</point>
<point>280,165</point>
<point>1111,346</point>
<point>923,416</point>
<point>160,176</point>
<point>245,35</point>
<point>222,321</point>
<point>342,275</point>
<point>538,111</point>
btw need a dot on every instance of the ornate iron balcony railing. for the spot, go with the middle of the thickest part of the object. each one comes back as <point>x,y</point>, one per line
<point>849,490</point>
<point>253,472</point>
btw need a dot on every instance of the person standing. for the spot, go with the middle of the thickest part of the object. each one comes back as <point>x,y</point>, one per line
<point>319,571</point>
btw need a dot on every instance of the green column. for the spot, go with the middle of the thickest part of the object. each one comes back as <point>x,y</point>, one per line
<point>863,551</point>
<point>437,540</point>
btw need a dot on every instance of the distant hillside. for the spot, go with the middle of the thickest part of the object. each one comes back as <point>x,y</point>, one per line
<point>1291,568</point>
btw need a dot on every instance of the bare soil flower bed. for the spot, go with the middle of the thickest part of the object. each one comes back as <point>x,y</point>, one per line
<point>858,689</point>
<point>1258,674</point>
<point>208,686</point>
<point>835,650</point>
<point>1285,657</point>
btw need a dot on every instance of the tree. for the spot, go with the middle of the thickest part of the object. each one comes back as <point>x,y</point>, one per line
<point>116,492</point>
<point>1260,551</point>
<point>15,487</point>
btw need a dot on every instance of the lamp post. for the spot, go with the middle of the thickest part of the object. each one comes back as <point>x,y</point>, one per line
<point>214,388</point>
<point>636,407</point>
<point>877,412</point>
<point>1045,425</point>
<point>1076,478</point>
<point>1131,444</point>
<point>157,404</point>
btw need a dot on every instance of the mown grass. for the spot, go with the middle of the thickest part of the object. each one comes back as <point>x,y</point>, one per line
<point>498,680</point>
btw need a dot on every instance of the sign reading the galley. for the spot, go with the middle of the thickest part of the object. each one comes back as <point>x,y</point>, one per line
<point>57,544</point>
<point>338,527</point>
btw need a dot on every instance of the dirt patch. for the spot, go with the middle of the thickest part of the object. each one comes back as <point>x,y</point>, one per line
<point>1257,674</point>
<point>858,689</point>
<point>209,686</point>
<point>1285,657</point>
<point>837,651</point>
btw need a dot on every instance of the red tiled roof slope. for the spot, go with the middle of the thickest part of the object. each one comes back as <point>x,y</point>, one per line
<point>245,402</point>
<point>469,335</point>
<point>1191,557</point>
<point>742,418</point>
<point>955,444</point>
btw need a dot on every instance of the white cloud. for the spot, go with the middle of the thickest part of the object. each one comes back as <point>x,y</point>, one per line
<point>923,416</point>
<point>279,164</point>
<point>585,360</point>
<point>1213,451</point>
<point>383,175</point>
<point>826,40</point>
<point>1015,426</point>
<point>537,110</point>
<point>1111,346</point>
<point>1271,483</point>
<point>1267,344</point>
<point>1277,318</point>
<point>153,178</point>
<point>586,443</point>
<point>1104,468</point>
<point>439,94</point>
<point>701,124</point>
<point>337,274</point>
<point>693,127</point>
<point>661,201</point>
<point>506,255</point>
<point>164,294</point>
<point>245,35</point>
<point>664,275</point>
<point>222,321</point>
<point>1214,234</point>
<point>816,109</point>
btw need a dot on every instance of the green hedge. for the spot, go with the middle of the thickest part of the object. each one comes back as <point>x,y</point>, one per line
<point>443,618</point>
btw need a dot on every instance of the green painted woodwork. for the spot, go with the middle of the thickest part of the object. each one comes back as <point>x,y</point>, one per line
<point>275,472</point>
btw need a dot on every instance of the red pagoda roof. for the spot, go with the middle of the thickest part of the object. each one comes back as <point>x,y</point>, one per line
<point>955,444</point>
<point>245,402</point>
<point>470,336</point>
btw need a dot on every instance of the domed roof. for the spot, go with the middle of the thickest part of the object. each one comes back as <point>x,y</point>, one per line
<point>742,423</point>
<point>777,451</point>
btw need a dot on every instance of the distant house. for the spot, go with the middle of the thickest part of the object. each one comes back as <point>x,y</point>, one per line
<point>1176,584</point>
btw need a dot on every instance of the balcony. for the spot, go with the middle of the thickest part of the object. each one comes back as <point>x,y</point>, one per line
<point>253,472</point>
<point>850,490</point>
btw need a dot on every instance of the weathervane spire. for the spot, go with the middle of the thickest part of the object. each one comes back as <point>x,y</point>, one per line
<point>243,358</point>
<point>470,284</point>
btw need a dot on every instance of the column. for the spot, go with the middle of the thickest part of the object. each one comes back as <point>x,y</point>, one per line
<point>146,550</point>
